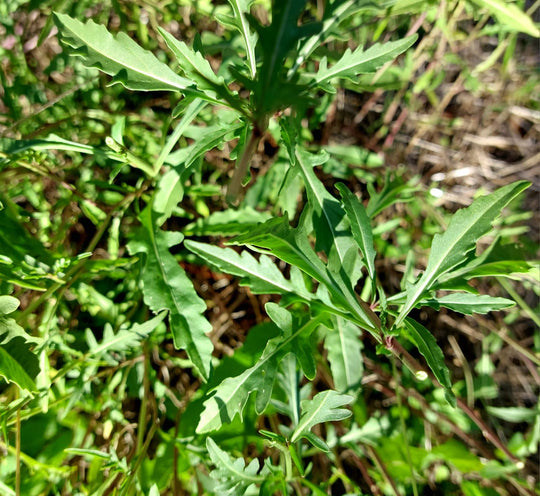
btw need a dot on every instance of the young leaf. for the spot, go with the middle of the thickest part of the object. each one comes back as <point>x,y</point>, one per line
<point>352,64</point>
<point>468,303</point>
<point>451,249</point>
<point>427,345</point>
<point>119,56</point>
<point>275,42</point>
<point>344,354</point>
<point>324,407</point>
<point>231,395</point>
<point>360,226</point>
<point>232,476</point>
<point>167,287</point>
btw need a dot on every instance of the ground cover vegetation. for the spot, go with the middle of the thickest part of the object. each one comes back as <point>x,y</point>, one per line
<point>269,248</point>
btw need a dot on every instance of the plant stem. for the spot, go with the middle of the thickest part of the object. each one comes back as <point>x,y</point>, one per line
<point>235,186</point>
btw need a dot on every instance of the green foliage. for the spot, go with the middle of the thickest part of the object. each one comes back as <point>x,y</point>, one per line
<point>18,364</point>
<point>159,304</point>
<point>166,287</point>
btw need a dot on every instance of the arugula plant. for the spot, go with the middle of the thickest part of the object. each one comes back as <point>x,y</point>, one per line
<point>332,293</point>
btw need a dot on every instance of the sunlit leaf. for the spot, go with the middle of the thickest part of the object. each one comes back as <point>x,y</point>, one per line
<point>120,57</point>
<point>450,249</point>
<point>360,226</point>
<point>354,63</point>
<point>232,476</point>
<point>324,407</point>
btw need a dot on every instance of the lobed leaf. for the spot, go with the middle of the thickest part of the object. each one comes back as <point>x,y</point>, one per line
<point>198,69</point>
<point>120,57</point>
<point>278,238</point>
<point>232,476</point>
<point>230,397</point>
<point>354,63</point>
<point>240,23</point>
<point>124,339</point>
<point>262,276</point>
<point>324,407</point>
<point>167,287</point>
<point>452,248</point>
<point>334,14</point>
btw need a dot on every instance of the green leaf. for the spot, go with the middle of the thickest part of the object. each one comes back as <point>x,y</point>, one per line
<point>352,64</point>
<point>394,190</point>
<point>240,22</point>
<point>275,42</point>
<point>334,14</point>
<point>229,222</point>
<point>167,287</point>
<point>198,69</point>
<point>324,407</point>
<point>344,354</point>
<point>427,345</point>
<point>231,475</point>
<point>497,260</point>
<point>452,248</point>
<point>510,15</point>
<point>329,220</point>
<point>513,413</point>
<point>124,339</point>
<point>8,305</point>
<point>262,276</point>
<point>361,227</point>
<point>18,364</point>
<point>230,397</point>
<point>468,303</point>
<point>276,237</point>
<point>119,56</point>
<point>206,138</point>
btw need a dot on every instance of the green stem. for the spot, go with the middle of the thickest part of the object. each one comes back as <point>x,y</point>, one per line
<point>235,186</point>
